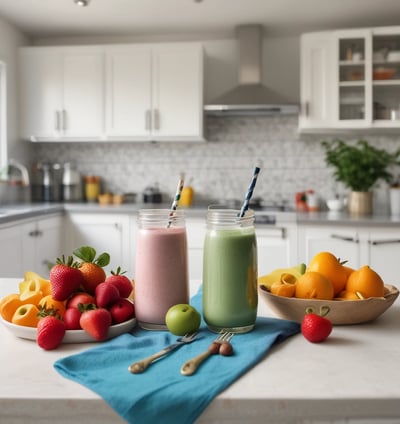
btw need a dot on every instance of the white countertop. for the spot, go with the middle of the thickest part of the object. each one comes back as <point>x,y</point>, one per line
<point>353,377</point>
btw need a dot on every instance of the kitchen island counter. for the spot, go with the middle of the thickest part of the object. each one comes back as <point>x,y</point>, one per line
<point>353,377</point>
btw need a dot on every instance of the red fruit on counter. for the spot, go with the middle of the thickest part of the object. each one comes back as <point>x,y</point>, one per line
<point>122,282</point>
<point>72,318</point>
<point>65,278</point>
<point>50,332</point>
<point>96,322</point>
<point>122,310</point>
<point>106,294</point>
<point>315,328</point>
<point>76,299</point>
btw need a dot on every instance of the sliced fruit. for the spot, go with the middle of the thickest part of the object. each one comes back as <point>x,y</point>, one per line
<point>9,305</point>
<point>26,315</point>
<point>286,286</point>
<point>32,293</point>
<point>275,276</point>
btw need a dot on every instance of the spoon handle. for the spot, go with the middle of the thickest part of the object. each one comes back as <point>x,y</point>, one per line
<point>190,367</point>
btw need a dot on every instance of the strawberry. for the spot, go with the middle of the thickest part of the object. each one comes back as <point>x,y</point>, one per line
<point>315,328</point>
<point>71,319</point>
<point>106,294</point>
<point>122,282</point>
<point>96,322</point>
<point>65,278</point>
<point>50,332</point>
<point>122,310</point>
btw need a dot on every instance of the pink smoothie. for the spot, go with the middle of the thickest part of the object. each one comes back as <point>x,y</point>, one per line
<point>161,276</point>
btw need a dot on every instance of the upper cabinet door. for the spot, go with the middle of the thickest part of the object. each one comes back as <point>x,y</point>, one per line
<point>83,93</point>
<point>316,76</point>
<point>41,92</point>
<point>62,93</point>
<point>177,94</point>
<point>128,94</point>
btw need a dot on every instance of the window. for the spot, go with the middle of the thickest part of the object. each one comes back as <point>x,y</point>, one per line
<point>3,117</point>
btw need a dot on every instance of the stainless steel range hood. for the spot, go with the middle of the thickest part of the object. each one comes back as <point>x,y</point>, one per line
<point>250,97</point>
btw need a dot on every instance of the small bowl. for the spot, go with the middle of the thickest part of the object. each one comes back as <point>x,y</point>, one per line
<point>383,73</point>
<point>342,312</point>
<point>335,205</point>
<point>393,56</point>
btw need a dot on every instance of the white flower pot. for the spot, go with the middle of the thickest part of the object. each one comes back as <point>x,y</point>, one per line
<point>394,193</point>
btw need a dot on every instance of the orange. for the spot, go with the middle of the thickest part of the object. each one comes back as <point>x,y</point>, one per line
<point>9,305</point>
<point>26,315</point>
<point>347,295</point>
<point>366,281</point>
<point>56,305</point>
<point>92,275</point>
<point>285,287</point>
<point>313,285</point>
<point>329,266</point>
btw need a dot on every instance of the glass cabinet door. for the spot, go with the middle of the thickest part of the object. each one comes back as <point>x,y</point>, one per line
<point>386,78</point>
<point>353,79</point>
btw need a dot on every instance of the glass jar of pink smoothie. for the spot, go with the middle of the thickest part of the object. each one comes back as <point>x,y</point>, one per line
<point>230,295</point>
<point>161,275</point>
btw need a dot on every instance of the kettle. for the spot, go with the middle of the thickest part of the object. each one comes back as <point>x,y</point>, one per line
<point>152,195</point>
<point>72,183</point>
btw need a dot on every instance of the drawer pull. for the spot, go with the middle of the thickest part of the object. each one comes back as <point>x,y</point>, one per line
<point>344,238</point>
<point>379,242</point>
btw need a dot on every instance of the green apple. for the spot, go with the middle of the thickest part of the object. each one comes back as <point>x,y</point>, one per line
<point>182,318</point>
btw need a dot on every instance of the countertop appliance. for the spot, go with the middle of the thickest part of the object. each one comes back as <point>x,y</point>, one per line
<point>72,183</point>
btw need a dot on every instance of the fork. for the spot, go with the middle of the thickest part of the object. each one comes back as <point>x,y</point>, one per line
<point>190,367</point>
<point>140,366</point>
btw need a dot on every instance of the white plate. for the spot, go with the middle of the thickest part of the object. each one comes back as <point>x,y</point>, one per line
<point>71,336</point>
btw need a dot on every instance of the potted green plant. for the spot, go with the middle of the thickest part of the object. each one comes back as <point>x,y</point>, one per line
<point>359,167</point>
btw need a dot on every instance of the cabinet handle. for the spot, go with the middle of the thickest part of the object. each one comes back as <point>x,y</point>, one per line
<point>57,120</point>
<point>344,238</point>
<point>156,119</point>
<point>379,242</point>
<point>117,226</point>
<point>147,119</point>
<point>306,109</point>
<point>35,233</point>
<point>64,119</point>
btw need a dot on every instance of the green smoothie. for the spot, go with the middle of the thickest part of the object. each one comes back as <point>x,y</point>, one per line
<point>230,279</point>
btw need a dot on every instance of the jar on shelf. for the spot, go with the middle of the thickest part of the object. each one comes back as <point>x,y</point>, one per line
<point>92,187</point>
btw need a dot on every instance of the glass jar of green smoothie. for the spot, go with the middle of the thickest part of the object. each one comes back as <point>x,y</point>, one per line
<point>230,271</point>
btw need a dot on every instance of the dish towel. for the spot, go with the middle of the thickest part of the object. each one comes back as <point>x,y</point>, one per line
<point>161,393</point>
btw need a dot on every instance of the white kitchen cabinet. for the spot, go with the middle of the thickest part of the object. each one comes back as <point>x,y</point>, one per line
<point>30,245</point>
<point>196,231</point>
<point>155,92</point>
<point>62,93</point>
<point>42,244</point>
<point>377,246</point>
<point>343,242</point>
<point>276,247</point>
<point>111,233</point>
<point>384,252</point>
<point>350,79</point>
<point>316,76</point>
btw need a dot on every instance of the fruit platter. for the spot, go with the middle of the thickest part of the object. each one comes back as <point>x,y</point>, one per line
<point>79,303</point>
<point>348,296</point>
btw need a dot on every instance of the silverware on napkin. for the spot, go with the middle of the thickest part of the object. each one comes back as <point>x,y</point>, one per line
<point>140,366</point>
<point>190,367</point>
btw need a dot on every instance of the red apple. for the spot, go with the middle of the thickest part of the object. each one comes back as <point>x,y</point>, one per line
<point>84,298</point>
<point>182,319</point>
<point>71,319</point>
<point>122,310</point>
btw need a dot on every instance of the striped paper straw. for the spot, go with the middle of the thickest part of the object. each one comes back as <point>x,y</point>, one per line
<point>175,203</point>
<point>249,192</point>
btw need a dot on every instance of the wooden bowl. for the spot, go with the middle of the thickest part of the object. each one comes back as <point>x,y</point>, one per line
<point>342,312</point>
<point>383,73</point>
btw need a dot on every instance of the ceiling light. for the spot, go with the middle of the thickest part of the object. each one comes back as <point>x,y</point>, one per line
<point>82,3</point>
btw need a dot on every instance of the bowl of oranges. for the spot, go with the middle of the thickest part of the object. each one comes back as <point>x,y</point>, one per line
<point>352,296</point>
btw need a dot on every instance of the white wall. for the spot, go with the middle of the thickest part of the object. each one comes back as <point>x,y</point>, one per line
<point>10,40</point>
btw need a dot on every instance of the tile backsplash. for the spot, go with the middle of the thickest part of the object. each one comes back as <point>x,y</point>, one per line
<point>220,168</point>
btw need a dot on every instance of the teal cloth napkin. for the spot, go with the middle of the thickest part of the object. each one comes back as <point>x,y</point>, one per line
<point>161,393</point>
